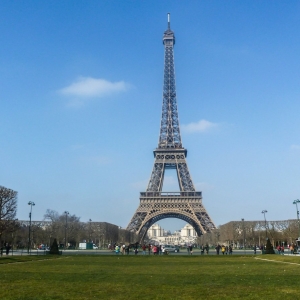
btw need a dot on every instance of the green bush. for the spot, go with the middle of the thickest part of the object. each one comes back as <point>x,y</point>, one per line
<point>269,248</point>
<point>54,248</point>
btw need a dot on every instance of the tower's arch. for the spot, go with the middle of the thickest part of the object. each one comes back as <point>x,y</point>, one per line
<point>148,222</point>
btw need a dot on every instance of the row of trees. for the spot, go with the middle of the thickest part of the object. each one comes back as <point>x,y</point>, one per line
<point>253,233</point>
<point>65,228</point>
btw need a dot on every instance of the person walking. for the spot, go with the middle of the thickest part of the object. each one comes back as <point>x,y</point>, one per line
<point>230,250</point>
<point>154,249</point>
<point>202,250</point>
<point>254,249</point>
<point>7,248</point>
<point>223,249</point>
<point>117,249</point>
<point>144,249</point>
<point>278,249</point>
<point>191,249</point>
<point>207,249</point>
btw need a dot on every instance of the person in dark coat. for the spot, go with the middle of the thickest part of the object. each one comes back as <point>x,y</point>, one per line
<point>7,248</point>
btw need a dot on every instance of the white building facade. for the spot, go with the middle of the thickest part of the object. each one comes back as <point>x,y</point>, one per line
<point>186,236</point>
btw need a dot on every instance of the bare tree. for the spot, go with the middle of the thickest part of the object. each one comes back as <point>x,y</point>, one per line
<point>8,210</point>
<point>62,226</point>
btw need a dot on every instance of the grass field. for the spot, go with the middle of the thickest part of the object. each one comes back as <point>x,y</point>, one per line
<point>150,277</point>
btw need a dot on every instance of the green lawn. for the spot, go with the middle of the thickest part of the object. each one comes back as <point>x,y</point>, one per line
<point>149,277</point>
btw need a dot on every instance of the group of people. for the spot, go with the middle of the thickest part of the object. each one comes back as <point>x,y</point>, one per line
<point>224,249</point>
<point>293,249</point>
<point>157,250</point>
<point>7,248</point>
<point>123,249</point>
<point>154,249</point>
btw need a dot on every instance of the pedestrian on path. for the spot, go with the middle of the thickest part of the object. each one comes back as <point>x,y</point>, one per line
<point>144,249</point>
<point>278,249</point>
<point>7,247</point>
<point>223,249</point>
<point>207,249</point>
<point>202,250</point>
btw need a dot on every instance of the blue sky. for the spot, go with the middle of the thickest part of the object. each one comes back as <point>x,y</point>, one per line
<point>81,95</point>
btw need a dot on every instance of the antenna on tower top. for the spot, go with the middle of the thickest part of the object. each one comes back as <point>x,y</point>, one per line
<point>168,20</point>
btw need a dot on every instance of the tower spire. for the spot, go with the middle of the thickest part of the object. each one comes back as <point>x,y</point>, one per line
<point>169,129</point>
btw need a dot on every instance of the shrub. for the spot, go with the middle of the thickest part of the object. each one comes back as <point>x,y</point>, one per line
<point>54,248</point>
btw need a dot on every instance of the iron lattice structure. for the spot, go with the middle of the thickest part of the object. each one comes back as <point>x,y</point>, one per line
<point>170,154</point>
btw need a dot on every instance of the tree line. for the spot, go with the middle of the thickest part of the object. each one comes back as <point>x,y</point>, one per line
<point>252,233</point>
<point>66,228</point>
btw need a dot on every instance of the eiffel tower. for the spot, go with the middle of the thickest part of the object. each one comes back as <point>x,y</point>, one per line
<point>170,154</point>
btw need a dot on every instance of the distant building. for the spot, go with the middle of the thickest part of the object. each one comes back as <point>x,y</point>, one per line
<point>186,236</point>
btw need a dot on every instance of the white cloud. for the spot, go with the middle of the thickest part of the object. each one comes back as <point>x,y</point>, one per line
<point>88,87</point>
<point>200,126</point>
<point>295,147</point>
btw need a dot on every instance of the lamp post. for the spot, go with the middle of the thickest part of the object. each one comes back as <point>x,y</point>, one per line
<point>66,227</point>
<point>90,220</point>
<point>264,212</point>
<point>13,237</point>
<point>31,203</point>
<point>295,202</point>
<point>244,235</point>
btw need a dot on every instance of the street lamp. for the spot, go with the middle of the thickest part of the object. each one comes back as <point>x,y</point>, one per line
<point>264,212</point>
<point>90,220</point>
<point>66,227</point>
<point>295,202</point>
<point>244,235</point>
<point>31,203</point>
